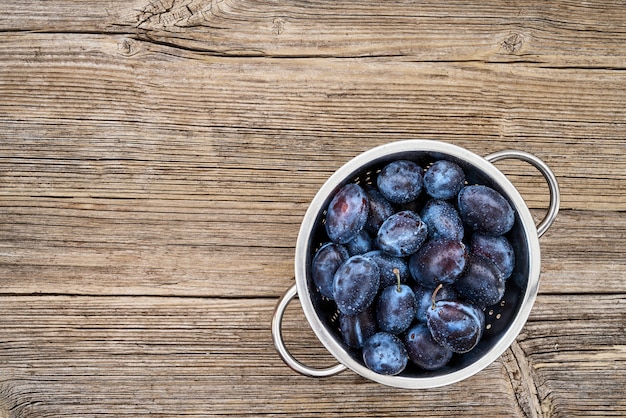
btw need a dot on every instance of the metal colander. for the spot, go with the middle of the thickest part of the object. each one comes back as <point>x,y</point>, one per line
<point>504,321</point>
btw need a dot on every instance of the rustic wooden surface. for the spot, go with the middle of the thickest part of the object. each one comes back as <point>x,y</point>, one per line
<point>156,160</point>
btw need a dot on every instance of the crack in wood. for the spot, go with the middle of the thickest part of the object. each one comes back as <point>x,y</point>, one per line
<point>171,14</point>
<point>523,382</point>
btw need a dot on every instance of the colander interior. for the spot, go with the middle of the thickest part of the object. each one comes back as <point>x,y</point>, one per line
<point>498,318</point>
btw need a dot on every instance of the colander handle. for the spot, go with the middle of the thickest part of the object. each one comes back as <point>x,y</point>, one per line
<point>277,336</point>
<point>553,185</point>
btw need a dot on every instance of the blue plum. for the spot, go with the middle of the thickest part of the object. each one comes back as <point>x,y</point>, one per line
<point>438,261</point>
<point>400,181</point>
<point>355,284</point>
<point>485,210</point>
<point>360,244</point>
<point>402,234</point>
<point>456,325</point>
<point>497,249</point>
<point>482,283</point>
<point>444,179</point>
<point>442,220</point>
<point>356,329</point>
<point>324,265</point>
<point>395,309</point>
<point>384,353</point>
<point>423,350</point>
<point>347,213</point>
<point>379,210</point>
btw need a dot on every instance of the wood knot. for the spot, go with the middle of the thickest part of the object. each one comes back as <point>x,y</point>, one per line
<point>278,26</point>
<point>127,47</point>
<point>512,44</point>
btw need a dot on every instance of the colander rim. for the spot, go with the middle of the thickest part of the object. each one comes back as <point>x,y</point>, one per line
<point>347,171</point>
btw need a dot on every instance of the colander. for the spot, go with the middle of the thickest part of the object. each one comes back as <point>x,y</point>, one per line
<point>503,321</point>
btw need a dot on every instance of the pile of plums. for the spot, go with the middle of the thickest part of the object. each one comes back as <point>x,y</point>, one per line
<point>411,261</point>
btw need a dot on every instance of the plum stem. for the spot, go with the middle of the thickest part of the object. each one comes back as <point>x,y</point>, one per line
<point>434,296</point>
<point>397,273</point>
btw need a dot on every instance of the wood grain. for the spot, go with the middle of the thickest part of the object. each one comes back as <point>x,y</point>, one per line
<point>191,355</point>
<point>563,34</point>
<point>157,158</point>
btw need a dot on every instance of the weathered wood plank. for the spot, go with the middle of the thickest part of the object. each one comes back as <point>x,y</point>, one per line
<point>141,355</point>
<point>296,115</point>
<point>161,356</point>
<point>572,33</point>
<point>125,250</point>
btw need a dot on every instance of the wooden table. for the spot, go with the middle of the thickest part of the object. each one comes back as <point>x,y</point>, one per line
<point>157,159</point>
